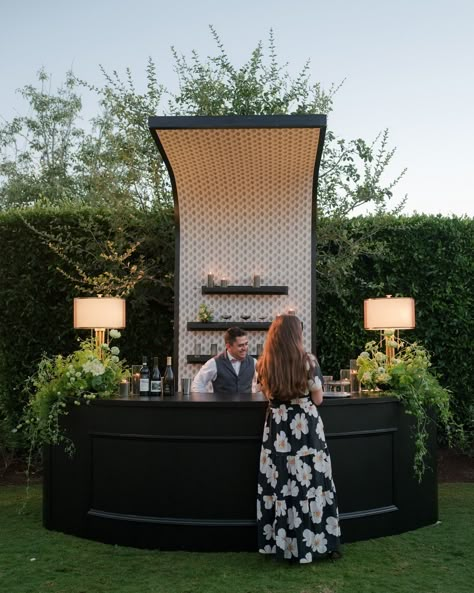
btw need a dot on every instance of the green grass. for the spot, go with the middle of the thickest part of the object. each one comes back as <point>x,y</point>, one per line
<point>436,559</point>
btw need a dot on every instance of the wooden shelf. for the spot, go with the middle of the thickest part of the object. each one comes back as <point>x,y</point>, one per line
<point>244,290</point>
<point>223,325</point>
<point>202,358</point>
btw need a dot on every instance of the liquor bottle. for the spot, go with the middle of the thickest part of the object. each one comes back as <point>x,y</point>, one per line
<point>155,384</point>
<point>144,378</point>
<point>168,378</point>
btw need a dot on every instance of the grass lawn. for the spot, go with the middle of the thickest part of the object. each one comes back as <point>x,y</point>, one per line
<point>436,559</point>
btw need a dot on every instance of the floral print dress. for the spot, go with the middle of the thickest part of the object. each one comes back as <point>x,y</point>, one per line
<point>297,515</point>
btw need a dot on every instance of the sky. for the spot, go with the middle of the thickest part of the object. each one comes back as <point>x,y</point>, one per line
<point>407,66</point>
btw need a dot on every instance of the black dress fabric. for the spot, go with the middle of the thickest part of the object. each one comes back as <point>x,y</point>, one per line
<point>297,514</point>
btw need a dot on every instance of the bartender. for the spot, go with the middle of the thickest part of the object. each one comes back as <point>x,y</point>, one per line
<point>231,371</point>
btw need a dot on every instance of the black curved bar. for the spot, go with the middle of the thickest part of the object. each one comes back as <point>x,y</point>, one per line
<point>181,473</point>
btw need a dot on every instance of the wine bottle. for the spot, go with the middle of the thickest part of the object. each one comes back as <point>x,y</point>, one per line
<point>155,384</point>
<point>168,378</point>
<point>144,378</point>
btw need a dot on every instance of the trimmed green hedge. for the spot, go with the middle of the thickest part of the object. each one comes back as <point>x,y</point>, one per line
<point>36,300</point>
<point>427,257</point>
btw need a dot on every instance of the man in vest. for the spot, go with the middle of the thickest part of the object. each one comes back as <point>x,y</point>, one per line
<point>231,371</point>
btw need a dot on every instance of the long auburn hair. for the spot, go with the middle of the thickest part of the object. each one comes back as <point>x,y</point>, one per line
<point>282,367</point>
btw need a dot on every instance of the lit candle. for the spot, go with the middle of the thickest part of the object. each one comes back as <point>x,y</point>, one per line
<point>123,388</point>
<point>291,312</point>
<point>224,282</point>
<point>210,280</point>
<point>256,280</point>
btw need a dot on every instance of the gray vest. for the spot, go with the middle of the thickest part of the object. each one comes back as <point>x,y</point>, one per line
<point>227,381</point>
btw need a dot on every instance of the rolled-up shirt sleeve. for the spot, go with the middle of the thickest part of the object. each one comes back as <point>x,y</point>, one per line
<point>202,382</point>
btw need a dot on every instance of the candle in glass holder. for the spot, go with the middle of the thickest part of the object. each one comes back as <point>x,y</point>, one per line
<point>224,282</point>
<point>256,280</point>
<point>123,391</point>
<point>210,280</point>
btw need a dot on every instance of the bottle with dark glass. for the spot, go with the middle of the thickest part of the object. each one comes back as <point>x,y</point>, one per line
<point>155,383</point>
<point>168,378</point>
<point>144,378</point>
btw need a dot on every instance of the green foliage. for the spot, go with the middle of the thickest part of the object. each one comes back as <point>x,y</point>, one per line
<point>426,257</point>
<point>38,152</point>
<point>120,162</point>
<point>204,313</point>
<point>37,298</point>
<point>86,374</point>
<point>407,376</point>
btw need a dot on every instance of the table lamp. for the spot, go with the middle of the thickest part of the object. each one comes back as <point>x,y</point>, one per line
<point>389,315</point>
<point>99,314</point>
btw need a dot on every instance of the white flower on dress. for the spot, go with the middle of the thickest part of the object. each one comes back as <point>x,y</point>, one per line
<point>259,510</point>
<point>305,451</point>
<point>268,549</point>
<point>294,520</point>
<point>308,537</point>
<point>304,475</point>
<point>304,506</point>
<point>328,496</point>
<point>280,414</point>
<point>291,548</point>
<point>316,511</point>
<point>319,460</point>
<point>332,526</point>
<point>291,465</point>
<point>320,543</point>
<point>264,460</point>
<point>268,500</point>
<point>320,430</point>
<point>319,495</point>
<point>290,488</point>
<point>306,405</point>
<point>272,475</point>
<point>281,443</point>
<point>259,488</point>
<point>266,432</point>
<point>281,539</point>
<point>269,531</point>
<point>280,508</point>
<point>307,559</point>
<point>299,425</point>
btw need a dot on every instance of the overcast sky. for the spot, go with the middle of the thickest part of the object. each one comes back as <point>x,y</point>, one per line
<point>408,66</point>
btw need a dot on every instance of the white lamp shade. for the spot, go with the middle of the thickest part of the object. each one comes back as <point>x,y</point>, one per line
<point>389,313</point>
<point>94,312</point>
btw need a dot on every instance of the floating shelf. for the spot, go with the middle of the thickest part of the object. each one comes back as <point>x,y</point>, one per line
<point>223,325</point>
<point>202,358</point>
<point>244,290</point>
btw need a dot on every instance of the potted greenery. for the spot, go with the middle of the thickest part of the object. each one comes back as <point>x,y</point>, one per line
<point>407,375</point>
<point>204,313</point>
<point>84,375</point>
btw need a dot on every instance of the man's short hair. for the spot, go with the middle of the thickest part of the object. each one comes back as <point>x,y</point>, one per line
<point>232,334</point>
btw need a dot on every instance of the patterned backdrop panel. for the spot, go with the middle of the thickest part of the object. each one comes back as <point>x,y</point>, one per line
<point>245,208</point>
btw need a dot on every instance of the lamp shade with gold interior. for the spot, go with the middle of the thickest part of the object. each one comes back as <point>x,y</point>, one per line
<point>389,315</point>
<point>99,314</point>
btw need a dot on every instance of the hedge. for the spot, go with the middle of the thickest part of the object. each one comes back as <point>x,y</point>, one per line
<point>427,257</point>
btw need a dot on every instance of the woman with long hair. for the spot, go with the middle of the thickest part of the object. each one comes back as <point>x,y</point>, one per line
<point>297,515</point>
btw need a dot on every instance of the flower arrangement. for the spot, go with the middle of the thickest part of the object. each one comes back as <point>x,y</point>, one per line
<point>82,376</point>
<point>407,376</point>
<point>204,313</point>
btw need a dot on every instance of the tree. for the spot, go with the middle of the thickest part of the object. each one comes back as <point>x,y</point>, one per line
<point>38,152</point>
